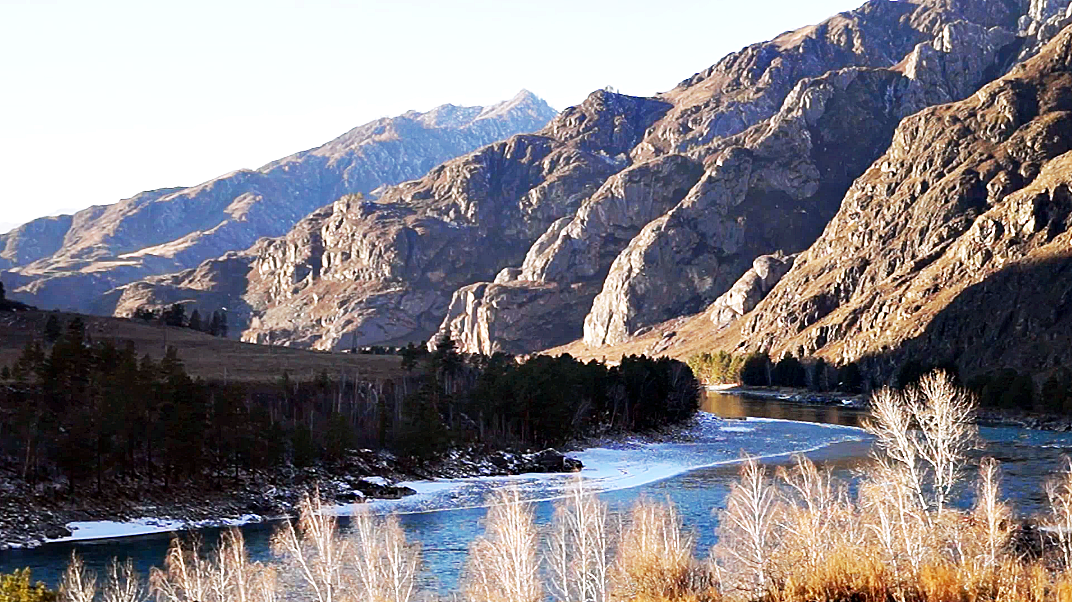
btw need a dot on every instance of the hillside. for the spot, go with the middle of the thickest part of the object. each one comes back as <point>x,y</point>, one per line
<point>207,357</point>
<point>953,247</point>
<point>68,262</point>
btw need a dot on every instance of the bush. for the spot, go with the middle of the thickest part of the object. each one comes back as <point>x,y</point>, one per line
<point>17,587</point>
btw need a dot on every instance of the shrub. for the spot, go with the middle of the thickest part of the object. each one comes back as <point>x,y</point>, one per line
<point>17,587</point>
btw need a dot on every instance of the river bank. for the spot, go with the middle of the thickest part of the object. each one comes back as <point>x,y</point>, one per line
<point>51,512</point>
<point>792,395</point>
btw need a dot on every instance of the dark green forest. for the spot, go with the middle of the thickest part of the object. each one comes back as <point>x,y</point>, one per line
<point>93,411</point>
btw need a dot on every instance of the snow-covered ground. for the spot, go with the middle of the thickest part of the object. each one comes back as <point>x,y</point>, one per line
<point>106,529</point>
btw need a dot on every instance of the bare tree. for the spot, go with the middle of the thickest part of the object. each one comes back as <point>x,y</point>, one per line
<point>502,563</point>
<point>401,562</point>
<point>746,526</point>
<point>78,585</point>
<point>995,517</point>
<point>946,419</point>
<point>185,576</point>
<point>123,583</point>
<point>928,430</point>
<point>226,576</point>
<point>578,554</point>
<point>383,564</point>
<point>314,548</point>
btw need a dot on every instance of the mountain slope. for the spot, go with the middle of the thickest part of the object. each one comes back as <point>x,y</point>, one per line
<point>69,261</point>
<point>840,88</point>
<point>955,246</point>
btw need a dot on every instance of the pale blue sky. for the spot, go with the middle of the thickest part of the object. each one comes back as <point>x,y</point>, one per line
<point>100,100</point>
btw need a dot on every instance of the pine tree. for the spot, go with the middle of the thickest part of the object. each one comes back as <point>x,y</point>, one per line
<point>175,315</point>
<point>195,321</point>
<point>53,330</point>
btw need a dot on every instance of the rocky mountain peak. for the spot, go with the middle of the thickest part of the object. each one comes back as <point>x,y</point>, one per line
<point>952,247</point>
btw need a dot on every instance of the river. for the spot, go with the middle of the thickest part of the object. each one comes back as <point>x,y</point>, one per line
<point>445,516</point>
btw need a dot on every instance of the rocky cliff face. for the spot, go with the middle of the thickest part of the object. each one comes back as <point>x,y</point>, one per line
<point>71,261</point>
<point>781,130</point>
<point>749,290</point>
<point>953,247</point>
<point>362,272</point>
<point>775,186</point>
<point>544,302</point>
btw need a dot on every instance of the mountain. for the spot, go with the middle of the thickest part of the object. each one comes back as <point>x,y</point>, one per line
<point>779,132</point>
<point>955,247</point>
<point>623,212</point>
<point>70,261</point>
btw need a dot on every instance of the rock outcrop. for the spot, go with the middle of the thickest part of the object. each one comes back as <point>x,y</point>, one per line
<point>953,247</point>
<point>626,212</point>
<point>543,303</point>
<point>70,261</point>
<point>749,290</point>
<point>775,186</point>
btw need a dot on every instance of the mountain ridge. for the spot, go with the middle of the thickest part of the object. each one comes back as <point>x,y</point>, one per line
<point>68,261</point>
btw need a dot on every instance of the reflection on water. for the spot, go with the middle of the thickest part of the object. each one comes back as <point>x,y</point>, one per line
<point>738,406</point>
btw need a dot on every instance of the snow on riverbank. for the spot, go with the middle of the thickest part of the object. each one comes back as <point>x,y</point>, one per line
<point>106,529</point>
<point>711,441</point>
<point>615,465</point>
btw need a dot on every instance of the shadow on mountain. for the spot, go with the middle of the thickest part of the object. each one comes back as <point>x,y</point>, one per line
<point>1019,318</point>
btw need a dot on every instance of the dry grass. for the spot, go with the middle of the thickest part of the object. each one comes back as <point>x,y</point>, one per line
<point>655,558</point>
<point>211,358</point>
<point>803,538</point>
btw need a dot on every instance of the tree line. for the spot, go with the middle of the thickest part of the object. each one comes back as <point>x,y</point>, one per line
<point>91,411</point>
<point>175,315</point>
<point>1004,388</point>
<point>545,401</point>
<point>88,410</point>
<point>759,370</point>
